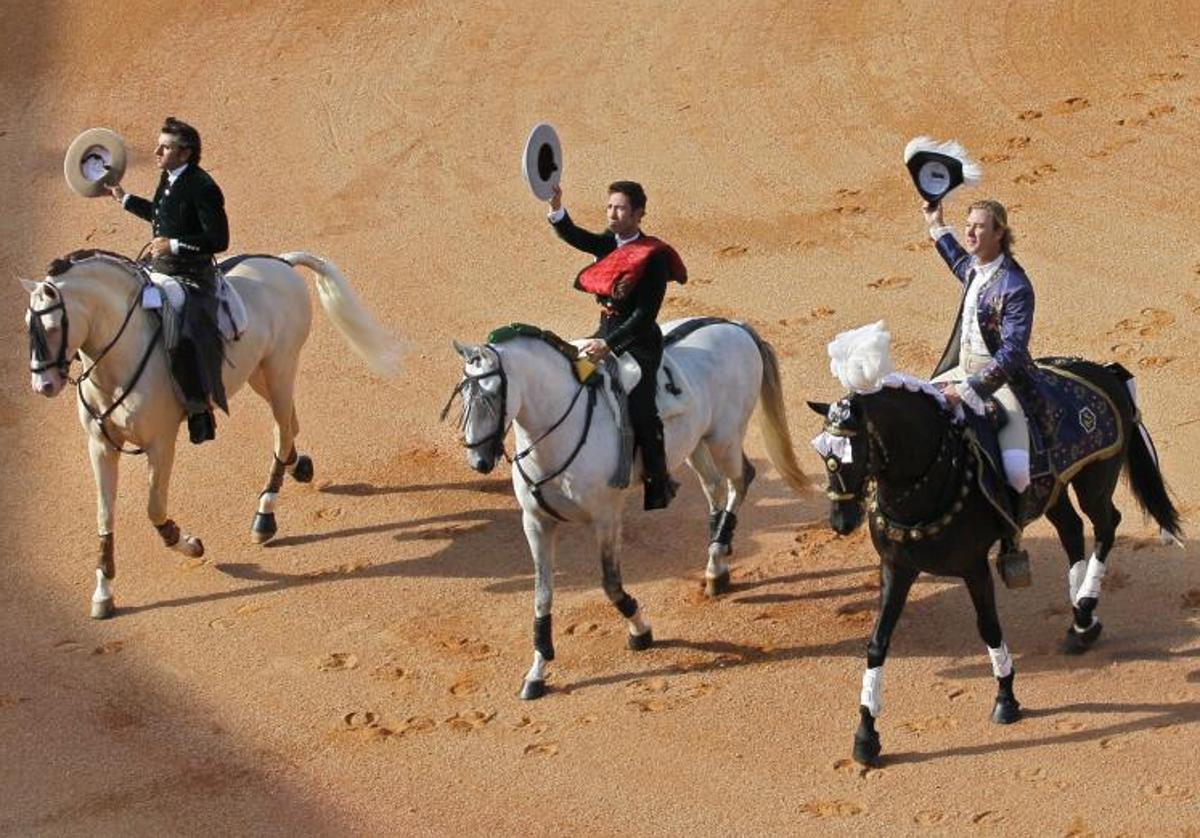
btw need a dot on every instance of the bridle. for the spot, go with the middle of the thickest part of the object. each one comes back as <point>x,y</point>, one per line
<point>40,350</point>
<point>471,391</point>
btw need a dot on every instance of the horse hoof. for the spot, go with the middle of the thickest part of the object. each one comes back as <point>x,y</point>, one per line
<point>263,529</point>
<point>1014,569</point>
<point>1006,711</point>
<point>302,472</point>
<point>1078,642</point>
<point>193,547</point>
<point>867,750</point>
<point>103,609</point>
<point>716,585</point>
<point>531,690</point>
<point>641,642</point>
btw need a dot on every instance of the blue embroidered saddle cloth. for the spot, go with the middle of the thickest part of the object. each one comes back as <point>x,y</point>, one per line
<point>1086,428</point>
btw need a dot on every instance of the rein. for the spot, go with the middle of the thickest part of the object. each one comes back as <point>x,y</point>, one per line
<point>469,382</point>
<point>62,363</point>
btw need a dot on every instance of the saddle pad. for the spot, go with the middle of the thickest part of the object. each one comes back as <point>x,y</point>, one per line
<point>231,318</point>
<point>1087,429</point>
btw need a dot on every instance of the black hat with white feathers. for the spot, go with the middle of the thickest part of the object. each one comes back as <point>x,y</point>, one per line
<point>938,168</point>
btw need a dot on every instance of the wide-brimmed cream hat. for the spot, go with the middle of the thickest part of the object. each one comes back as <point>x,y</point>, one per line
<point>542,161</point>
<point>95,160</point>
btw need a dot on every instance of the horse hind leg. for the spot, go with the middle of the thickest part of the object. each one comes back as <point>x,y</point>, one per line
<point>716,574</point>
<point>1094,489</point>
<point>737,473</point>
<point>277,387</point>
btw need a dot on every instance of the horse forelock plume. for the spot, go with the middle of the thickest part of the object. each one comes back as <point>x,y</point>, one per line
<point>860,358</point>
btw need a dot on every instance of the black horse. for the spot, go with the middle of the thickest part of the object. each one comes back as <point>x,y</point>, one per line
<point>899,454</point>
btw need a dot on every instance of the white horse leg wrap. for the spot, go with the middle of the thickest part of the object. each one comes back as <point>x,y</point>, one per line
<point>1091,582</point>
<point>638,625</point>
<point>103,591</point>
<point>267,501</point>
<point>1016,467</point>
<point>872,691</point>
<point>537,672</point>
<point>1001,660</point>
<point>1075,574</point>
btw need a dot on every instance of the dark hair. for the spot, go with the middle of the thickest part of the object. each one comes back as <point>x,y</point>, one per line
<point>185,135</point>
<point>631,190</point>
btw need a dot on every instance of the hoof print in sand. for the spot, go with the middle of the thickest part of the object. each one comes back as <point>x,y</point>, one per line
<point>540,749</point>
<point>833,808</point>
<point>338,662</point>
<point>470,720</point>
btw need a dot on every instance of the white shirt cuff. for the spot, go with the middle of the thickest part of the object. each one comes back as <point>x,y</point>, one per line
<point>175,246</point>
<point>557,215</point>
<point>936,233</point>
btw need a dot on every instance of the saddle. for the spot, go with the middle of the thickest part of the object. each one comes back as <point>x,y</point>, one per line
<point>1086,428</point>
<point>168,295</point>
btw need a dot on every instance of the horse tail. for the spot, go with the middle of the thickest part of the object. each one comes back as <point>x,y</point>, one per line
<point>370,340</point>
<point>772,418</point>
<point>1141,460</point>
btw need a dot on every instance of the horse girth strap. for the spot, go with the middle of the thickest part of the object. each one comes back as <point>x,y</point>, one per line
<point>535,486</point>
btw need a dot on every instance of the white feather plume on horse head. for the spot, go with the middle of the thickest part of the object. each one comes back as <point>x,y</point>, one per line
<point>860,358</point>
<point>972,171</point>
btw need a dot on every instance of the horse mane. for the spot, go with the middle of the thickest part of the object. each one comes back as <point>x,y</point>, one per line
<point>64,263</point>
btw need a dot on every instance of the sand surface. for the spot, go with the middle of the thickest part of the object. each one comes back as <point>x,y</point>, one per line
<point>360,674</point>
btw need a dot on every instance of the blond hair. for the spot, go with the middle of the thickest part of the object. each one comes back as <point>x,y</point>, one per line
<point>1000,218</point>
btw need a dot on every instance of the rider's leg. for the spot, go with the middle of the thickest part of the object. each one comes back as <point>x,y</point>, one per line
<point>648,430</point>
<point>1014,451</point>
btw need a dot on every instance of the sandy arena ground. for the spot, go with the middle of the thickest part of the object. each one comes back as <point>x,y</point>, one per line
<point>360,674</point>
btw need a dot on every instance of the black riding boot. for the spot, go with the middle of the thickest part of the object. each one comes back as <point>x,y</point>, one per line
<point>185,366</point>
<point>658,487</point>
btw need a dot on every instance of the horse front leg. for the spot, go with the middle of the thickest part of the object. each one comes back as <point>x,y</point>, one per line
<point>104,467</point>
<point>895,581</point>
<point>608,536</point>
<point>542,535</point>
<point>160,459</point>
<point>1007,709</point>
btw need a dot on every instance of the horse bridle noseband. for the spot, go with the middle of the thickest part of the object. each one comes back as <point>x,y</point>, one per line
<point>469,382</point>
<point>39,347</point>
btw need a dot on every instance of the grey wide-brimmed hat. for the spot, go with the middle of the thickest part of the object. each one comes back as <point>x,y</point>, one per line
<point>938,168</point>
<point>542,161</point>
<point>95,160</point>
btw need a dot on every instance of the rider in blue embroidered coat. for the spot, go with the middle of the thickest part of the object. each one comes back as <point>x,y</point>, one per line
<point>1005,315</point>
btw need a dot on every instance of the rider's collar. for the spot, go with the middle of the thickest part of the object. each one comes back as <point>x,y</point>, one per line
<point>634,237</point>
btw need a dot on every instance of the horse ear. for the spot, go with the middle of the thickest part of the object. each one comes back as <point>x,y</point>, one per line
<point>819,407</point>
<point>28,284</point>
<point>464,351</point>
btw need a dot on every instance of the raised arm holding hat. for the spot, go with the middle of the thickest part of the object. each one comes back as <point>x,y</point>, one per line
<point>629,280</point>
<point>189,226</point>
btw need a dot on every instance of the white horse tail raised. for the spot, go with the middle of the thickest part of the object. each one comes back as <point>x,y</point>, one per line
<point>772,418</point>
<point>365,335</point>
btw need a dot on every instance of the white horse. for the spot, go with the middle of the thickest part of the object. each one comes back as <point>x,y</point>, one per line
<point>569,450</point>
<point>90,305</point>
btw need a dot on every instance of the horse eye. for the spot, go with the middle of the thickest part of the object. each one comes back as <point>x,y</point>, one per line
<point>49,291</point>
